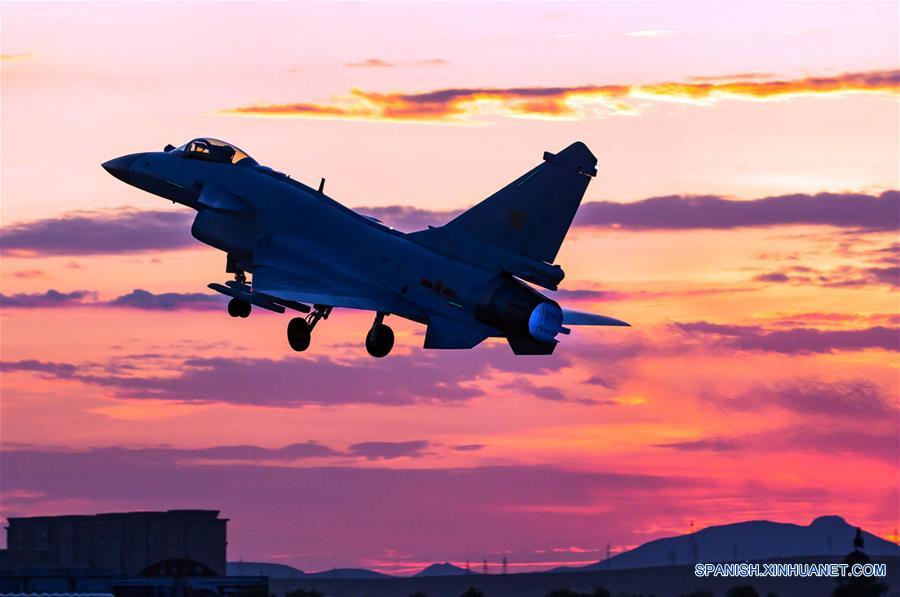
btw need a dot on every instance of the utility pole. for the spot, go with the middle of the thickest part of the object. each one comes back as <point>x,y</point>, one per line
<point>468,570</point>
<point>484,566</point>
<point>693,541</point>
<point>504,563</point>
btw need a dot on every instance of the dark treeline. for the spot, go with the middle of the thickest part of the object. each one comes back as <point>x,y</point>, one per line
<point>860,588</point>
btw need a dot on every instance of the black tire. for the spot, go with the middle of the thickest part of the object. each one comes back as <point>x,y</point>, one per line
<point>235,307</point>
<point>380,341</point>
<point>299,334</point>
<point>245,310</point>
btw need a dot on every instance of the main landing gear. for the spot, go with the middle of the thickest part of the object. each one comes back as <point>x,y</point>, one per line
<point>380,339</point>
<point>299,330</point>
<point>237,307</point>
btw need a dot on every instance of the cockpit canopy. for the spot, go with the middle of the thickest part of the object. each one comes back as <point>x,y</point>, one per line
<point>214,150</point>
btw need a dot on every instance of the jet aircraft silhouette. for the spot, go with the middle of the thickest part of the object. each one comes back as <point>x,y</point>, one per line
<point>465,280</point>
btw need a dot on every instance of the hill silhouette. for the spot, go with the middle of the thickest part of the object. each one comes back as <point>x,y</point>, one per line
<point>348,573</point>
<point>752,540</point>
<point>826,536</point>
<point>661,581</point>
<point>445,569</point>
<point>285,571</point>
<point>263,569</point>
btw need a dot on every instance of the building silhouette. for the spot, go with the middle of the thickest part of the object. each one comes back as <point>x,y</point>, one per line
<point>176,553</point>
<point>118,543</point>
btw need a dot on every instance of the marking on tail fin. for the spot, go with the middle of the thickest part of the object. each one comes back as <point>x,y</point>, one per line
<point>526,219</point>
<point>517,218</point>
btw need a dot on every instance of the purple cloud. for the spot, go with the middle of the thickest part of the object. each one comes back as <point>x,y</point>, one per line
<point>680,212</point>
<point>404,217</point>
<point>45,300</point>
<point>886,275</point>
<point>347,510</point>
<point>846,276</point>
<point>875,444</point>
<point>778,277</point>
<point>171,456</point>
<point>30,274</point>
<point>47,368</point>
<point>132,231</point>
<point>468,447</point>
<point>543,392</point>
<point>707,444</point>
<point>100,232</point>
<point>684,212</point>
<point>389,450</point>
<point>602,381</point>
<point>297,381</point>
<point>169,301</point>
<point>136,299</point>
<point>373,450</point>
<point>587,294</point>
<point>854,399</point>
<point>796,340</point>
<point>310,449</point>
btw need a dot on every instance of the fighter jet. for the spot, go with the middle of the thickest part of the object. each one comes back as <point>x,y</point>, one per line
<point>468,280</point>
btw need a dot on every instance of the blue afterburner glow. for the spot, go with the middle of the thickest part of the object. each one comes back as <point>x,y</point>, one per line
<point>545,321</point>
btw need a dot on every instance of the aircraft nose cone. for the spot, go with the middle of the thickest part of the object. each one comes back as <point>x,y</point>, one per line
<point>121,167</point>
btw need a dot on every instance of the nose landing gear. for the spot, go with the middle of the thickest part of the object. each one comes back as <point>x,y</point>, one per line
<point>380,339</point>
<point>299,330</point>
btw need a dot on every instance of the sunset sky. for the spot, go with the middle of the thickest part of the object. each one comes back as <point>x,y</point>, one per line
<point>744,220</point>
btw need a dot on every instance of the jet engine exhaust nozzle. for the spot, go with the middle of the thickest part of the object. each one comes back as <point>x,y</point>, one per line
<point>545,321</point>
<point>516,308</point>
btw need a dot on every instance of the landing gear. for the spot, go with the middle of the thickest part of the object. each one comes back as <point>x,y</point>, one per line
<point>238,308</point>
<point>299,334</point>
<point>299,331</point>
<point>380,339</point>
<point>234,266</point>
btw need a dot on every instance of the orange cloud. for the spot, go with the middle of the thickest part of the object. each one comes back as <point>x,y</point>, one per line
<point>886,81</point>
<point>379,63</point>
<point>14,57</point>
<point>577,102</point>
<point>733,77</point>
<point>372,62</point>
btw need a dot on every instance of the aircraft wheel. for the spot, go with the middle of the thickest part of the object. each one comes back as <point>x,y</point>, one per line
<point>238,308</point>
<point>299,334</point>
<point>380,340</point>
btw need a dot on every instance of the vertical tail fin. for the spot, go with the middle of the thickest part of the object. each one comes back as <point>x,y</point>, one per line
<point>531,215</point>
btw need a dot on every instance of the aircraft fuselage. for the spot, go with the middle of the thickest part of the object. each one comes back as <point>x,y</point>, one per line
<point>313,232</point>
<point>465,280</point>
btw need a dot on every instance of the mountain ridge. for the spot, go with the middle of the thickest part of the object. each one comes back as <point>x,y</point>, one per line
<point>828,535</point>
<point>444,569</point>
